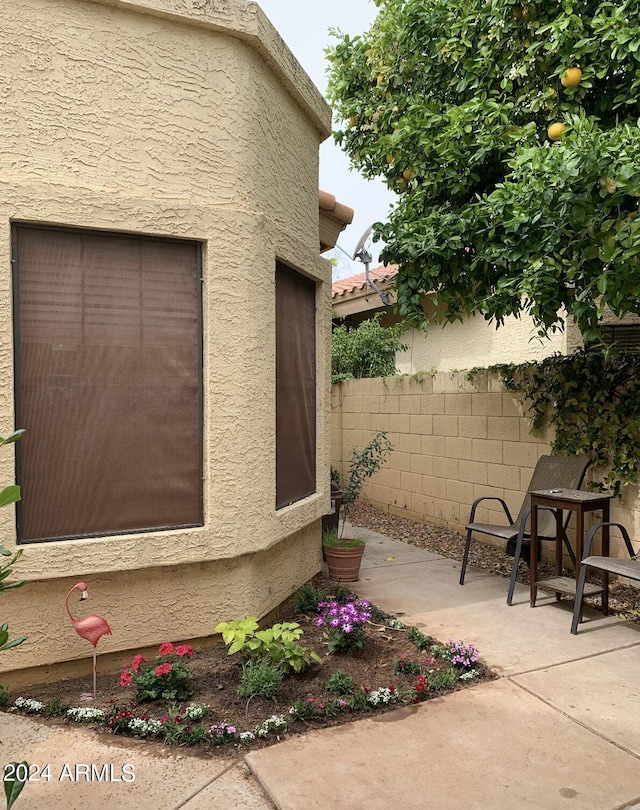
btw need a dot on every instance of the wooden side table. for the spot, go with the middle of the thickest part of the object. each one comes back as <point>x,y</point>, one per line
<point>580,502</point>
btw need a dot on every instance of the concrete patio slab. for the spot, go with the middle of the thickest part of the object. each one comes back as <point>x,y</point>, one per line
<point>495,746</point>
<point>235,789</point>
<point>513,639</point>
<point>603,692</point>
<point>160,779</point>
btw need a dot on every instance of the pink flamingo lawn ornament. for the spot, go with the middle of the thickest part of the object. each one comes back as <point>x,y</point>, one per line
<point>92,627</point>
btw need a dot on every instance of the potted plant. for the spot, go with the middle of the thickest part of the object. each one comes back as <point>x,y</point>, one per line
<point>344,555</point>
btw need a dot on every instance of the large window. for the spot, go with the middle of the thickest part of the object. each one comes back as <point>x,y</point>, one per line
<point>295,386</point>
<point>108,383</point>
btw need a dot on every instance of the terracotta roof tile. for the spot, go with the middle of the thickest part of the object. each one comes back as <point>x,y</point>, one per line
<point>359,281</point>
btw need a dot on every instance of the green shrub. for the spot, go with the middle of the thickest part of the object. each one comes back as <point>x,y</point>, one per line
<point>260,678</point>
<point>339,683</point>
<point>307,598</point>
<point>368,350</point>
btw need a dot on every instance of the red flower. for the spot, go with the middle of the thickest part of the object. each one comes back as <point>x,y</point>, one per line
<point>163,669</point>
<point>421,683</point>
<point>125,678</point>
<point>184,649</point>
<point>166,648</point>
<point>137,662</point>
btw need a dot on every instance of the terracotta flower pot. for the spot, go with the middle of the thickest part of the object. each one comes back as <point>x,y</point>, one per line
<point>344,563</point>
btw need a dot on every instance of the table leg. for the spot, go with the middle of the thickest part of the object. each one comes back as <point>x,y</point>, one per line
<point>533,555</point>
<point>559,514</point>
<point>579,538</point>
<point>605,553</point>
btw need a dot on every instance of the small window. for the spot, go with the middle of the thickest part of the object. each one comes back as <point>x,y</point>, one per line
<point>295,386</point>
<point>108,377</point>
<point>626,336</point>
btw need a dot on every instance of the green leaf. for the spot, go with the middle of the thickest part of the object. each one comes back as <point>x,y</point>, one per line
<point>9,494</point>
<point>12,789</point>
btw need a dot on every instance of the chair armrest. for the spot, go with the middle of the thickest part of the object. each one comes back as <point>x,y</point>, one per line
<point>474,506</point>
<point>592,531</point>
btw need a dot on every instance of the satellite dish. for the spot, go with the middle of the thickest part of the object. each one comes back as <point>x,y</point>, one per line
<point>360,250</point>
<point>362,255</point>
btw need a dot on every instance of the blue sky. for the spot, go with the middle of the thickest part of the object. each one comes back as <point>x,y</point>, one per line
<point>304,24</point>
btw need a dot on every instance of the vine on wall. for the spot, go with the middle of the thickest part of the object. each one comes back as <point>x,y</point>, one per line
<point>592,399</point>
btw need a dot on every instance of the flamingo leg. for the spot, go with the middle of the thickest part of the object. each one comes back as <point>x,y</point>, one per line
<point>94,673</point>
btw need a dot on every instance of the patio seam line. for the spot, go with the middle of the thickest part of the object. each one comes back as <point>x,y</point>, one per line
<point>632,805</point>
<point>191,796</point>
<point>577,722</point>
<point>574,660</point>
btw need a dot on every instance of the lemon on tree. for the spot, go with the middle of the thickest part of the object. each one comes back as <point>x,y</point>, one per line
<point>556,130</point>
<point>571,77</point>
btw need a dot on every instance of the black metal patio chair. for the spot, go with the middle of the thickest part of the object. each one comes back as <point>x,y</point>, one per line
<point>551,472</point>
<point>608,565</point>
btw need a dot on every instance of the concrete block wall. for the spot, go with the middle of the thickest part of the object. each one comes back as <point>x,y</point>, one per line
<point>454,440</point>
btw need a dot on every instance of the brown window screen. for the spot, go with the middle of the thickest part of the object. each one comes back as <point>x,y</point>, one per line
<point>108,371</point>
<point>295,386</point>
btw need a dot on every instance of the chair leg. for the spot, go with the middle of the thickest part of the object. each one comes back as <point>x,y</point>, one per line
<point>514,569</point>
<point>465,556</point>
<point>577,608</point>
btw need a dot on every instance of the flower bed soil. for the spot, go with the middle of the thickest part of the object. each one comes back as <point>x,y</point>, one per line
<point>216,677</point>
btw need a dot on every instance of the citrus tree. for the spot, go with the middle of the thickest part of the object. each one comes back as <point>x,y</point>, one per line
<point>510,133</point>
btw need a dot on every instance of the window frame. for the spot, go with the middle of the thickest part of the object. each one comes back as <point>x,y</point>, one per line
<point>15,297</point>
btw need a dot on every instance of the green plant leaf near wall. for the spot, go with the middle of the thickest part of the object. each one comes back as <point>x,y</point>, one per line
<point>592,400</point>
<point>368,350</point>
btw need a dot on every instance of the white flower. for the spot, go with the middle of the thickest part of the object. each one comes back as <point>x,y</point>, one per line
<point>196,711</point>
<point>247,736</point>
<point>28,705</point>
<point>85,713</point>
<point>467,676</point>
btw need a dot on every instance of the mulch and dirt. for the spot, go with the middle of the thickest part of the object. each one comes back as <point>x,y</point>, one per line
<point>216,677</point>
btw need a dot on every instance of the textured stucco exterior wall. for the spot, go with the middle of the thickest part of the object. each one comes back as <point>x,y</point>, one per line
<point>454,440</point>
<point>475,343</point>
<point>191,120</point>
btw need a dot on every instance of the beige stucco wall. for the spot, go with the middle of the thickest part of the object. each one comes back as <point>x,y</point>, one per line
<point>475,343</point>
<point>454,440</point>
<point>191,120</point>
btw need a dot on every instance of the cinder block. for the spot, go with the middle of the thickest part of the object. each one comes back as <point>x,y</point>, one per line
<point>457,447</point>
<point>507,477</point>
<point>399,498</point>
<point>399,422</point>
<point>521,454</point>
<point>445,425</point>
<point>380,495</point>
<point>388,478</point>
<point>400,461</point>
<point>423,383</point>
<point>461,493</point>
<point>410,482</point>
<point>503,428</point>
<point>473,472</point>
<point>421,424</point>
<point>457,404</point>
<point>380,421</point>
<point>407,443</point>
<point>473,427</point>
<point>434,487</point>
<point>511,405</point>
<point>432,403</point>
<point>446,468</point>
<point>421,464</point>
<point>348,421</point>
<point>486,404</point>
<point>433,446</point>
<point>389,404</point>
<point>419,503</point>
<point>371,404</point>
<point>376,387</point>
<point>453,382</point>
<point>410,403</point>
<point>448,510</point>
<point>363,421</point>
<point>485,450</point>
